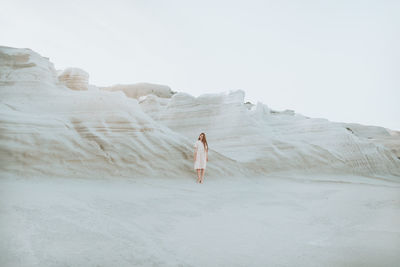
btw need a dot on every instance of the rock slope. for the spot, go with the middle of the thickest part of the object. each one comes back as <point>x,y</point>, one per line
<point>53,125</point>
<point>48,129</point>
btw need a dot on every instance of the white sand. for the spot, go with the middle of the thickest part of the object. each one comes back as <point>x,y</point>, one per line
<point>263,221</point>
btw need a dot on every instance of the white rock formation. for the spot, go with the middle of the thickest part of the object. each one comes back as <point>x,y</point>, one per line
<point>25,67</point>
<point>75,79</point>
<point>48,129</point>
<point>275,141</point>
<point>141,89</point>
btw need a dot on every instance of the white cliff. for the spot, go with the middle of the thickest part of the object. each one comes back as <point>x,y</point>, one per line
<point>275,141</point>
<point>148,130</point>
<point>49,129</point>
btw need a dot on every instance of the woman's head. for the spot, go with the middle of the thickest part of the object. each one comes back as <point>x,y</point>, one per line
<point>203,139</point>
<point>202,136</point>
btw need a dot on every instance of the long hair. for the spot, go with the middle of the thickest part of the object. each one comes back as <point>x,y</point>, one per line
<point>205,144</point>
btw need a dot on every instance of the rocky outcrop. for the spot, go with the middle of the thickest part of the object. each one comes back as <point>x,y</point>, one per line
<point>141,89</point>
<point>47,129</point>
<point>271,141</point>
<point>25,66</point>
<point>74,79</point>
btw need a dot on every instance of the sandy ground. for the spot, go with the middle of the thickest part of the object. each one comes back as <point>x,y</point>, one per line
<point>263,221</point>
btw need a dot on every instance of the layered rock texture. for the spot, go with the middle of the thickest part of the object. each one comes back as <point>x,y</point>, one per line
<point>277,141</point>
<point>75,79</point>
<point>53,125</point>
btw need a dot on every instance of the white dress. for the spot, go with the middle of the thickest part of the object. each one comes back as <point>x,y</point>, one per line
<point>201,161</point>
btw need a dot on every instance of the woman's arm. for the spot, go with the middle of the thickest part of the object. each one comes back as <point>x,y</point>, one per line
<point>207,154</point>
<point>195,154</point>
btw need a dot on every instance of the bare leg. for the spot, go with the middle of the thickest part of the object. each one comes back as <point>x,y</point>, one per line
<point>198,175</point>
<point>202,175</point>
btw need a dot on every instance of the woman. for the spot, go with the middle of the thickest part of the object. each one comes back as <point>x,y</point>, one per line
<point>200,156</point>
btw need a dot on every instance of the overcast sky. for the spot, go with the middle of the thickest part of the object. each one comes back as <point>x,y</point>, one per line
<point>338,60</point>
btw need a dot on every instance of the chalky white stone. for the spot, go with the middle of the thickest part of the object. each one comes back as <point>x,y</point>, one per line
<point>75,79</point>
<point>50,130</point>
<point>56,126</point>
<point>141,89</point>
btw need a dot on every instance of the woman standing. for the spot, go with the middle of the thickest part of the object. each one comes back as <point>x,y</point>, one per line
<point>200,156</point>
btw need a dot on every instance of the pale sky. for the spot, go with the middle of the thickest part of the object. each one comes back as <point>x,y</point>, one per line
<point>338,60</point>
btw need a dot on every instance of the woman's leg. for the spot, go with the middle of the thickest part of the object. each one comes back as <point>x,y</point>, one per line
<point>198,175</point>
<point>202,175</point>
